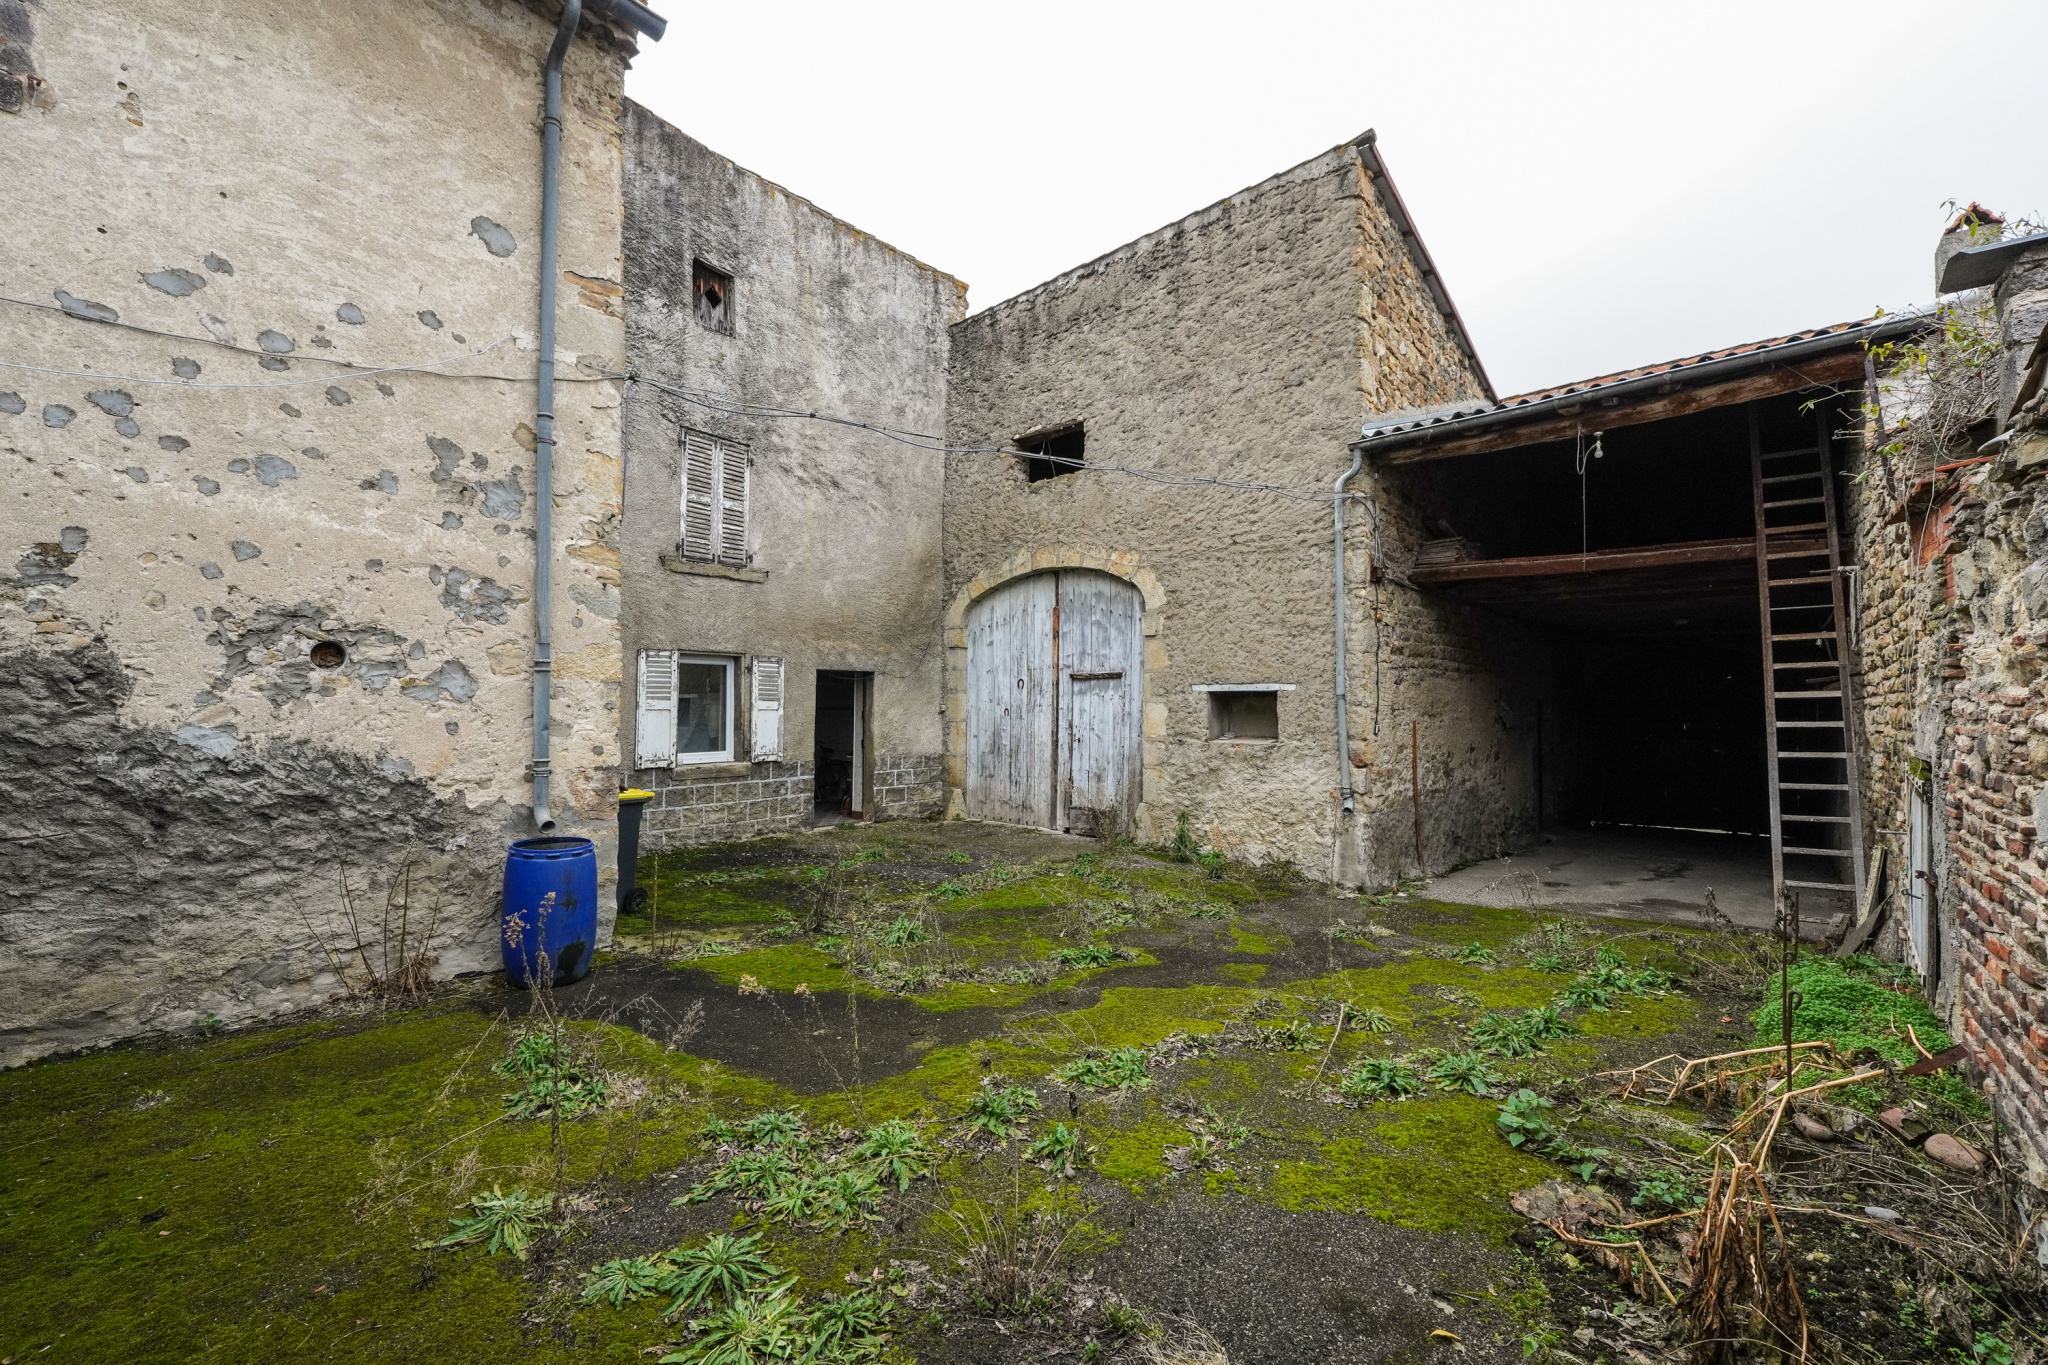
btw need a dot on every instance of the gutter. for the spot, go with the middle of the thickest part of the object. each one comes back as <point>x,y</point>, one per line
<point>1368,149</point>
<point>646,22</point>
<point>1376,439</point>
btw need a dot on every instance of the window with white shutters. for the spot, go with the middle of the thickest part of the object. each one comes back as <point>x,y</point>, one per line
<point>716,476</point>
<point>654,727</point>
<point>767,727</point>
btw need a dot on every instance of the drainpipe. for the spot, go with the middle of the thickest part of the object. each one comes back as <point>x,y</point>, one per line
<point>1343,680</point>
<point>544,416</point>
<point>649,25</point>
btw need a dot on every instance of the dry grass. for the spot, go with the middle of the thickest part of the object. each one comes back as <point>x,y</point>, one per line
<point>1182,1342</point>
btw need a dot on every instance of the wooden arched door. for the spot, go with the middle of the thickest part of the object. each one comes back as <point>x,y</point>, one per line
<point>1055,702</point>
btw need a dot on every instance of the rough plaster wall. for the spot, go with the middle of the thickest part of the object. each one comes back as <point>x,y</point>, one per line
<point>1247,341</point>
<point>282,188</point>
<point>845,524</point>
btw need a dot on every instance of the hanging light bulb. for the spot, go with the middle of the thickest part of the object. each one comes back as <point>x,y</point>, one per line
<point>1598,453</point>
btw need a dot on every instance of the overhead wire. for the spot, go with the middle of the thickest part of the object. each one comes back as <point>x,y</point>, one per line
<point>698,398</point>
<point>938,444</point>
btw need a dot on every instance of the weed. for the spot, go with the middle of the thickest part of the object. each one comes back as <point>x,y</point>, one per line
<point>774,1128</point>
<point>905,930</point>
<point>1296,1035</point>
<point>1584,994</point>
<point>1371,1019</point>
<point>633,1277</point>
<point>1463,1071</point>
<point>846,1198</point>
<point>959,856</point>
<point>1557,966</point>
<point>1524,1121</point>
<point>1108,1069</point>
<point>1377,1077</point>
<point>1990,1350</point>
<point>847,1327</point>
<point>504,1220</point>
<point>1182,1342</point>
<point>1013,1259</point>
<point>998,1109</point>
<point>896,1151</point>
<point>723,1265</point>
<point>1185,848</point>
<point>1472,954</point>
<point>1667,1190</point>
<point>1055,1151</point>
<point>1520,1035</point>
<point>554,1077</point>
<point>1093,955</point>
<point>756,1329</point>
<point>829,945</point>
<point>1123,1320</point>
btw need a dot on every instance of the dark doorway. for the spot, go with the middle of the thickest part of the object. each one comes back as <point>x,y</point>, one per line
<point>840,746</point>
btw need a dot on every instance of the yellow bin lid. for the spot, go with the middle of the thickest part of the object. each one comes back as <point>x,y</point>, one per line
<point>635,794</point>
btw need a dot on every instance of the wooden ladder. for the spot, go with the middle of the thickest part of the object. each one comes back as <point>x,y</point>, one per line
<point>1816,799</point>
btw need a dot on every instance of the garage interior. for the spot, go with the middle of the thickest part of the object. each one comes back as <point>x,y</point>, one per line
<point>1633,552</point>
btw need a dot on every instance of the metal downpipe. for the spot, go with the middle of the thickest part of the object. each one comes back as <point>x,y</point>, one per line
<point>544,416</point>
<point>1343,675</point>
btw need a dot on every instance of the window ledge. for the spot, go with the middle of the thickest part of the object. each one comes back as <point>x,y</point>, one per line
<point>677,564</point>
<point>1243,741</point>
<point>686,772</point>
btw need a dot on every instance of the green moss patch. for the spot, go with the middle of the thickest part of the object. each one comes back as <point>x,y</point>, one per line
<point>1435,1164</point>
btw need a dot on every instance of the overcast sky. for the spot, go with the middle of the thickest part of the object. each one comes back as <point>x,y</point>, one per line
<point>1601,185</point>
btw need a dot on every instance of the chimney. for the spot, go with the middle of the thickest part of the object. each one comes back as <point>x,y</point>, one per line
<point>1974,226</point>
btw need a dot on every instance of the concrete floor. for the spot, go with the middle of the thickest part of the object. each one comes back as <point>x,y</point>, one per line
<point>1629,873</point>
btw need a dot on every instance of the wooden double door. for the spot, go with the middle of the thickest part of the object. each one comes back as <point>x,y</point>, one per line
<point>1055,702</point>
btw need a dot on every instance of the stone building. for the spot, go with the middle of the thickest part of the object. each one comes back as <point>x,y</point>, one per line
<point>268,426</point>
<point>782,574</point>
<point>1139,606</point>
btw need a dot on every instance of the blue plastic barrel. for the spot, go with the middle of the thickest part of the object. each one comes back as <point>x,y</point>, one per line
<point>550,909</point>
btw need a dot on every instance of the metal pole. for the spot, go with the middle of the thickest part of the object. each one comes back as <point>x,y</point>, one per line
<point>1415,781</point>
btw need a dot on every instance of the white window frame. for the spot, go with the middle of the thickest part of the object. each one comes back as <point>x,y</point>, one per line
<point>723,494</point>
<point>725,754</point>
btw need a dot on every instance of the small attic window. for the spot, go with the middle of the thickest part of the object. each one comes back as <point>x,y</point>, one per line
<point>711,292</point>
<point>1051,453</point>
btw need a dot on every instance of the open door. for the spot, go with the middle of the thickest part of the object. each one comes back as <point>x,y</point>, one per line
<point>841,749</point>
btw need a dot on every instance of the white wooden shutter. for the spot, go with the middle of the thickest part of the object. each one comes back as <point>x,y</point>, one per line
<point>767,727</point>
<point>654,726</point>
<point>700,496</point>
<point>732,504</point>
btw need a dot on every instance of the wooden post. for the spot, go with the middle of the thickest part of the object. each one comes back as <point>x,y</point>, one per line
<point>1415,781</point>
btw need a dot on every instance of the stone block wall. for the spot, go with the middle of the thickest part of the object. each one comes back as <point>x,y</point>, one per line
<point>1248,341</point>
<point>908,786</point>
<point>772,798</point>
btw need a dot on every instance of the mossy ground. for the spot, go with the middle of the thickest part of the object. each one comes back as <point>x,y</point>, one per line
<point>263,1195</point>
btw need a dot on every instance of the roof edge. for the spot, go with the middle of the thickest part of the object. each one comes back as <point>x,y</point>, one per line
<point>1465,419</point>
<point>1367,146</point>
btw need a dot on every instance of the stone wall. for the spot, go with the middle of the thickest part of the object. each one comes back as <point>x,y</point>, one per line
<point>1245,342</point>
<point>843,572</point>
<point>1955,629</point>
<point>225,225</point>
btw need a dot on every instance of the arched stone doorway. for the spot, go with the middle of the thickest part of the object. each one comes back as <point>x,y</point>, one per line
<point>1055,702</point>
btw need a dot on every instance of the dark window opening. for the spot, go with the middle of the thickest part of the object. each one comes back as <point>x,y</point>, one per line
<point>711,291</point>
<point>1244,715</point>
<point>1053,454</point>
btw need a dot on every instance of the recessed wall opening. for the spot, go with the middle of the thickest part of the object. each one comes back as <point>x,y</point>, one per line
<point>1637,644</point>
<point>711,296</point>
<point>329,654</point>
<point>840,747</point>
<point>1049,454</point>
<point>1244,715</point>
